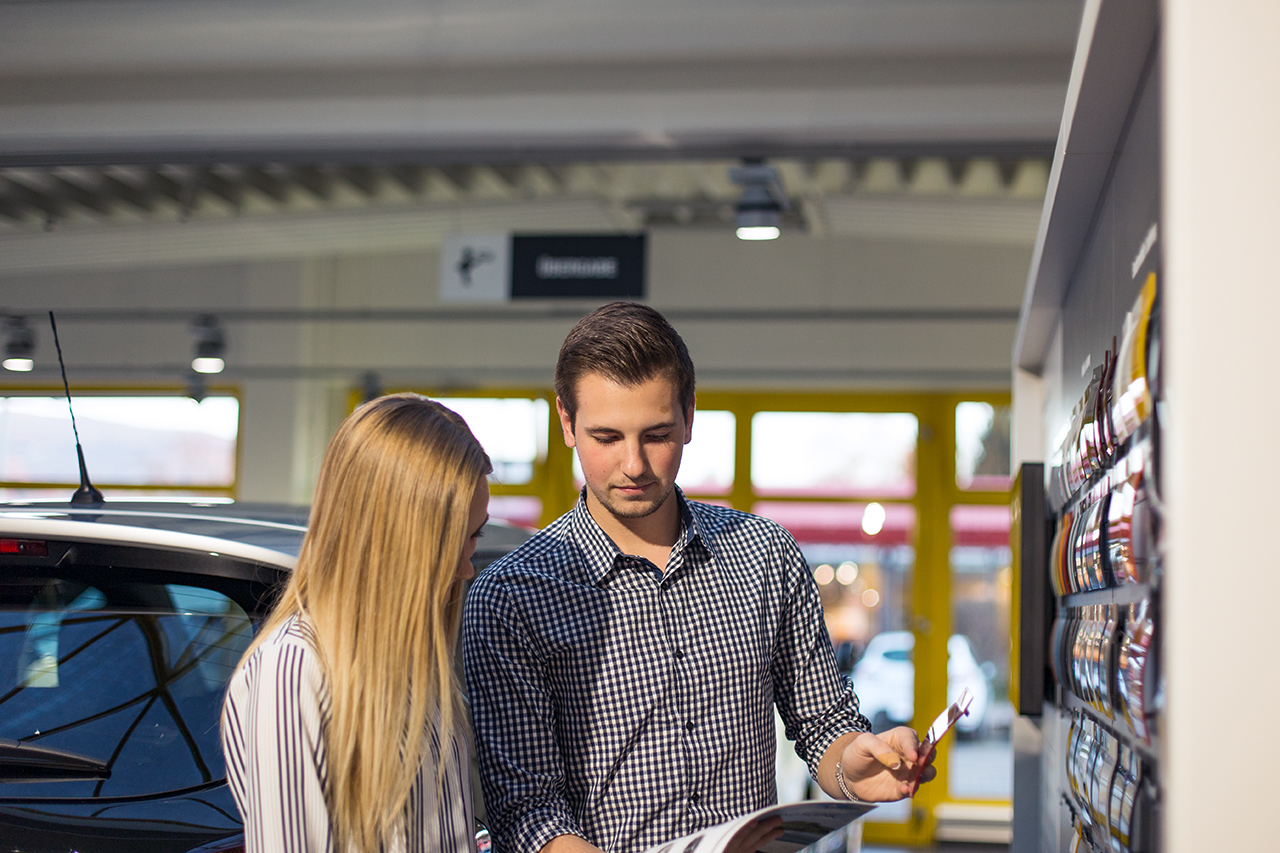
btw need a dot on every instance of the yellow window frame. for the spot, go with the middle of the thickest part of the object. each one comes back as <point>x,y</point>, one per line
<point>231,491</point>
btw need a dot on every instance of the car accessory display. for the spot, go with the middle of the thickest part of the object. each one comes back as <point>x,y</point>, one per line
<point>1104,567</point>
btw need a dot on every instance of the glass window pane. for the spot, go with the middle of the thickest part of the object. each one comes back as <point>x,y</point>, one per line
<point>159,441</point>
<point>834,453</point>
<point>512,430</point>
<point>706,468</point>
<point>865,584</point>
<point>520,510</point>
<point>981,757</point>
<point>982,447</point>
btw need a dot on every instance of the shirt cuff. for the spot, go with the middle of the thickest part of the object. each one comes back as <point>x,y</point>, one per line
<point>838,726</point>
<point>535,829</point>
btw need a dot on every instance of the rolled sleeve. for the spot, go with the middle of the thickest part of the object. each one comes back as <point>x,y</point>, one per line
<point>513,716</point>
<point>817,704</point>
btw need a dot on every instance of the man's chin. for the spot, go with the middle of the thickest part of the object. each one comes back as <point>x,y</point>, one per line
<point>638,509</point>
<point>622,507</point>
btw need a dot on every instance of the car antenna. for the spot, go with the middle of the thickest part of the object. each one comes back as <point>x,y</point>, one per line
<point>86,494</point>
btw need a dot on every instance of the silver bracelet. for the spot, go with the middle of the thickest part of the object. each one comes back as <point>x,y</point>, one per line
<point>844,790</point>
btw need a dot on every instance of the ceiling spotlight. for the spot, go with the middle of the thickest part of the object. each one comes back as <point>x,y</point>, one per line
<point>19,346</point>
<point>760,209</point>
<point>210,345</point>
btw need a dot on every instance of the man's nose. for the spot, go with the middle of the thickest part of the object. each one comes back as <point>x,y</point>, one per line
<point>634,464</point>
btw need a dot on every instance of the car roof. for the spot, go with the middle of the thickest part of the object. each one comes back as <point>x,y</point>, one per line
<point>257,532</point>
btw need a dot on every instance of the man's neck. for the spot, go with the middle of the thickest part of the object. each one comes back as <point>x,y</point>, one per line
<point>650,536</point>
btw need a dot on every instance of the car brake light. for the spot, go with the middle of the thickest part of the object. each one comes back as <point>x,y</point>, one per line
<point>24,547</point>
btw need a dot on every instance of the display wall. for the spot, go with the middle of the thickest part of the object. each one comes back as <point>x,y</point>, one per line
<point>1100,768</point>
<point>1155,225</point>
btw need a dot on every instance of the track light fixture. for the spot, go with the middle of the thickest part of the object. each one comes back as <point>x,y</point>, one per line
<point>19,345</point>
<point>196,389</point>
<point>210,345</point>
<point>759,211</point>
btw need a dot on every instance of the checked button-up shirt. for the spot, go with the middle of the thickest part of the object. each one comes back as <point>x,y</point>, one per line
<point>630,706</point>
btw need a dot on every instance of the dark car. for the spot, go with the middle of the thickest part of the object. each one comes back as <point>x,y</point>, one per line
<point>119,628</point>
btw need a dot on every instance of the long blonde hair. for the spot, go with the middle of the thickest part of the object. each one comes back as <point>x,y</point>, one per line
<point>376,581</point>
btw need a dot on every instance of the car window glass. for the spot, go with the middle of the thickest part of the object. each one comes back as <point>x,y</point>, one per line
<point>129,673</point>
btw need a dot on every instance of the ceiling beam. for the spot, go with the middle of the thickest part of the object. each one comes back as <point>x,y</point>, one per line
<point>266,183</point>
<point>74,192</point>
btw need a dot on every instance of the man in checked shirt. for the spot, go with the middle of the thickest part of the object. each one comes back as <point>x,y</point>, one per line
<point>623,664</point>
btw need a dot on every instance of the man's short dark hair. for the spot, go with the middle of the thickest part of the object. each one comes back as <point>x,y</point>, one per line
<point>626,342</point>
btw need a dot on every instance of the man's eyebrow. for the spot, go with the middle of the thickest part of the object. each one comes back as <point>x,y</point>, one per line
<point>608,429</point>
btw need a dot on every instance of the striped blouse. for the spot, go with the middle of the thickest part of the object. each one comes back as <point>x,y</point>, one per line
<point>276,764</point>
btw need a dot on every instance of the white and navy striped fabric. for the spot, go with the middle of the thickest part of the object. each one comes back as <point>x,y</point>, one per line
<point>630,706</point>
<point>277,767</point>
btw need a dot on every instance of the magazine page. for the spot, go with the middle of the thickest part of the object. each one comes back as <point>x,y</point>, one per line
<point>802,824</point>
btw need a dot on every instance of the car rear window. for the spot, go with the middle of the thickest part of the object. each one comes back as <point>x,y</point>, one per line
<point>128,673</point>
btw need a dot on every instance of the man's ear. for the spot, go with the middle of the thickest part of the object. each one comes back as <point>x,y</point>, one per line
<point>566,424</point>
<point>688,424</point>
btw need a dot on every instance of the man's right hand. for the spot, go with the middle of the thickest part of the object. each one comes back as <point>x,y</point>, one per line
<point>882,769</point>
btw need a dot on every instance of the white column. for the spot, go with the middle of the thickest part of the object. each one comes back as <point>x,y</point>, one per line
<point>1222,596</point>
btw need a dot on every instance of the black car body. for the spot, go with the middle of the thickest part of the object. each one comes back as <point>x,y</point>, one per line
<point>119,628</point>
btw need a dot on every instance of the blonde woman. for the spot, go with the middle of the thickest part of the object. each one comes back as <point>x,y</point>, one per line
<point>342,727</point>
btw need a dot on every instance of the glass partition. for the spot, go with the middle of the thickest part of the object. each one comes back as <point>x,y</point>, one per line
<point>864,579</point>
<point>981,757</point>
<point>983,447</point>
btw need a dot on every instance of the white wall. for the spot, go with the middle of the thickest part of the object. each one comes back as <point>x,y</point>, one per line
<point>1221,129</point>
<point>295,377</point>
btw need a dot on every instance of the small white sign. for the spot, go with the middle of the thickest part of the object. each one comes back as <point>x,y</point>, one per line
<point>476,268</point>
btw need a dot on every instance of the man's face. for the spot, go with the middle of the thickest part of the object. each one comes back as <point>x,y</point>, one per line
<point>629,441</point>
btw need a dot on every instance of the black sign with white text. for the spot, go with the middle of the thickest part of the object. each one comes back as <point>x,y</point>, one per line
<point>577,266</point>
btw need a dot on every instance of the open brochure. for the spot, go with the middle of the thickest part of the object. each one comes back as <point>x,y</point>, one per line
<point>810,821</point>
<point>802,824</point>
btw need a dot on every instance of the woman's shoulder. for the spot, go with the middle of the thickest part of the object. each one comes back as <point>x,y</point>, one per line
<point>292,637</point>
<point>286,655</point>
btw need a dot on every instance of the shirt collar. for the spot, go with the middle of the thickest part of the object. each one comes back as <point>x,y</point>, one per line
<point>599,551</point>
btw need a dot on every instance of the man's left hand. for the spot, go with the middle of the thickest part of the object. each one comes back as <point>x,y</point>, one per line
<point>882,768</point>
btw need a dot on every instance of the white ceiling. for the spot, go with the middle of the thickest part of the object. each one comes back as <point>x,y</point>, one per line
<point>89,35</point>
<point>496,80</point>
